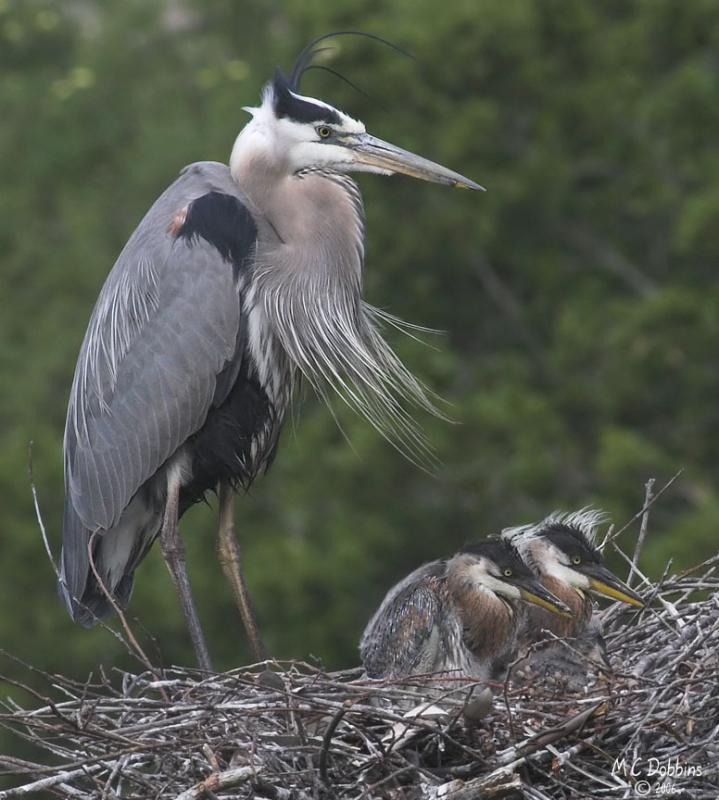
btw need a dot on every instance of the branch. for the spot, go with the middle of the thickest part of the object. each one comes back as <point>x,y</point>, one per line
<point>611,537</point>
<point>648,494</point>
<point>218,780</point>
<point>49,783</point>
<point>139,652</point>
<point>601,254</point>
<point>38,515</point>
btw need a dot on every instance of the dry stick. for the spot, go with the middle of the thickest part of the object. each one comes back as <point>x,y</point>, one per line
<point>70,792</point>
<point>219,780</point>
<point>327,741</point>
<point>648,495</point>
<point>639,513</point>
<point>566,761</point>
<point>114,773</point>
<point>581,657</point>
<point>540,740</point>
<point>139,652</point>
<point>47,783</point>
<point>391,777</point>
<point>709,562</point>
<point>36,503</point>
<point>48,550</point>
<point>262,788</point>
<point>505,686</point>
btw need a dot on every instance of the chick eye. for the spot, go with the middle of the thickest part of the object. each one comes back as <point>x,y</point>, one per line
<point>576,560</point>
<point>324,132</point>
<point>507,573</point>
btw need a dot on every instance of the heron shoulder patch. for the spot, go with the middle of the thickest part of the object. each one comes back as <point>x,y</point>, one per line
<point>222,221</point>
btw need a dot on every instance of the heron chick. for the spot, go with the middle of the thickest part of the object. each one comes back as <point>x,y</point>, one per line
<point>458,615</point>
<point>562,553</point>
<point>240,280</point>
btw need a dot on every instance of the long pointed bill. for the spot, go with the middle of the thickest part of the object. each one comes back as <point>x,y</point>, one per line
<point>385,157</point>
<point>604,582</point>
<point>533,592</point>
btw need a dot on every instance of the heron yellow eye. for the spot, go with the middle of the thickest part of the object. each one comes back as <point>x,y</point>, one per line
<point>324,132</point>
<point>577,560</point>
<point>507,573</point>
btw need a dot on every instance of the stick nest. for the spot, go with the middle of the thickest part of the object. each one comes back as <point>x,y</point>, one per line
<point>287,731</point>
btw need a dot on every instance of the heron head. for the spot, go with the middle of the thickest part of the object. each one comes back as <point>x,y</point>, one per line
<point>562,547</point>
<point>495,565</point>
<point>305,134</point>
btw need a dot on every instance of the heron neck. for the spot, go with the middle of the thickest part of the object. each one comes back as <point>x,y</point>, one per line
<point>313,218</point>
<point>580,606</point>
<point>307,283</point>
<point>489,623</point>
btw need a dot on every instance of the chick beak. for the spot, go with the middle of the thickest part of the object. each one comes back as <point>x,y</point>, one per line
<point>604,582</point>
<point>386,157</point>
<point>533,592</point>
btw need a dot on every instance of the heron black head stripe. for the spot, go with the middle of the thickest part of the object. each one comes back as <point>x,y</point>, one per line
<point>572,541</point>
<point>501,552</point>
<point>287,104</point>
<point>223,222</point>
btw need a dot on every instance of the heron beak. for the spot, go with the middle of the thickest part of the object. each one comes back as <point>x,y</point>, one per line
<point>533,592</point>
<point>604,582</point>
<point>385,157</point>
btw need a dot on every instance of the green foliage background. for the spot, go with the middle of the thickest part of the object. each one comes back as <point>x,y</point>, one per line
<point>578,296</point>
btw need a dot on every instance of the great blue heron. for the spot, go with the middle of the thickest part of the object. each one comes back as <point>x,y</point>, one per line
<point>238,280</point>
<point>457,615</point>
<point>562,553</point>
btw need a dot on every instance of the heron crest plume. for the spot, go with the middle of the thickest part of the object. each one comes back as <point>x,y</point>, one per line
<point>578,527</point>
<point>305,60</point>
<point>584,522</point>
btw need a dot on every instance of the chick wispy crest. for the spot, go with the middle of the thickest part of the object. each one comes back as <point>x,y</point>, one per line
<point>570,531</point>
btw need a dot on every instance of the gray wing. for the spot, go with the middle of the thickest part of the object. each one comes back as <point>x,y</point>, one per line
<point>402,637</point>
<point>167,323</point>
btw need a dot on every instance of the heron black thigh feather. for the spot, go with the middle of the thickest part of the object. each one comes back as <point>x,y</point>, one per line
<point>225,449</point>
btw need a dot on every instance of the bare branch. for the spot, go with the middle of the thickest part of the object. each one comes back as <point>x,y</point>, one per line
<point>610,537</point>
<point>216,781</point>
<point>38,514</point>
<point>648,495</point>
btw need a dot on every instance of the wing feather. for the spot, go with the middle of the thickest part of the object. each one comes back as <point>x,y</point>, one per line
<point>165,326</point>
<point>402,637</point>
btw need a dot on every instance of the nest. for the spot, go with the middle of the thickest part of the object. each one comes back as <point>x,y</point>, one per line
<point>290,731</point>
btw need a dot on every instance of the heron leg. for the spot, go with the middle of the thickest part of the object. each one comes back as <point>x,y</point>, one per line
<point>228,548</point>
<point>173,550</point>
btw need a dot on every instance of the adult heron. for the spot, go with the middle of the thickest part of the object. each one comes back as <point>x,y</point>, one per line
<point>238,281</point>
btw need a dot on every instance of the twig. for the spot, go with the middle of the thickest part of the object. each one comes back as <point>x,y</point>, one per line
<point>641,512</point>
<point>47,783</point>
<point>648,495</point>
<point>327,741</point>
<point>38,515</point>
<point>46,543</point>
<point>219,780</point>
<point>139,652</point>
